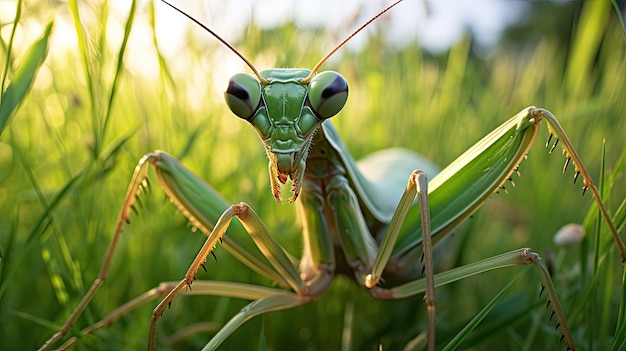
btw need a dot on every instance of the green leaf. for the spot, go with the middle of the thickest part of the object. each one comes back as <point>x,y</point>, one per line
<point>23,77</point>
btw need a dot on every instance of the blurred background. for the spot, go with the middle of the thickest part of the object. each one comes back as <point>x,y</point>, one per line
<point>91,86</point>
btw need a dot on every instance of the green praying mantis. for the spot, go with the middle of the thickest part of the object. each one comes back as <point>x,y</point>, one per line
<point>378,218</point>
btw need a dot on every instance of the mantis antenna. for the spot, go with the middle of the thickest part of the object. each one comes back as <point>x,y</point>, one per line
<point>255,71</point>
<point>321,62</point>
<point>232,48</point>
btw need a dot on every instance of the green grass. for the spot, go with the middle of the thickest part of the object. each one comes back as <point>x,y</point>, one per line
<point>69,147</point>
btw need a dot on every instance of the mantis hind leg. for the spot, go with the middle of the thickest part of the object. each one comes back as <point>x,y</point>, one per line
<point>203,288</point>
<point>518,257</point>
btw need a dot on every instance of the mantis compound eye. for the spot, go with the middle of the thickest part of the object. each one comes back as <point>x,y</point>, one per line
<point>243,95</point>
<point>328,93</point>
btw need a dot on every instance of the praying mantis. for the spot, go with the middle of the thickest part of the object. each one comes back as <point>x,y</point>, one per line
<point>354,217</point>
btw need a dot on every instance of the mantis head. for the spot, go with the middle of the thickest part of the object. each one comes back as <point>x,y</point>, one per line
<point>286,107</point>
<point>286,110</point>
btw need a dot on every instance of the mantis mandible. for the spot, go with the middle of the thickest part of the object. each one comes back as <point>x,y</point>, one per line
<point>383,229</point>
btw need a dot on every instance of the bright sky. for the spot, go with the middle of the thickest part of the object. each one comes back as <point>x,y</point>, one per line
<point>436,25</point>
<point>444,23</point>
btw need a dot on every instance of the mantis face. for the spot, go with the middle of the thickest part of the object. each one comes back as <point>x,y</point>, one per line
<point>286,109</point>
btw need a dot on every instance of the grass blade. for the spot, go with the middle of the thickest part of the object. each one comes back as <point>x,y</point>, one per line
<point>471,325</point>
<point>16,20</point>
<point>24,77</point>
<point>118,70</point>
<point>619,341</point>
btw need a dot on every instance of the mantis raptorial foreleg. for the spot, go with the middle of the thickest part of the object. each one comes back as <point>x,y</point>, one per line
<point>570,153</point>
<point>281,264</point>
<point>187,192</point>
